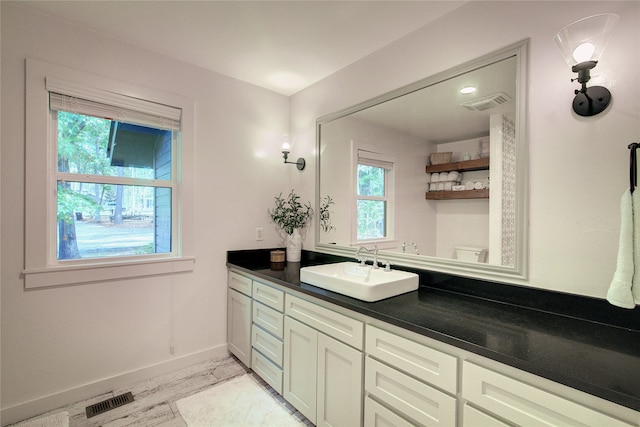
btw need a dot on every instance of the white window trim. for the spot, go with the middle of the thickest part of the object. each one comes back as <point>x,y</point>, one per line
<point>39,269</point>
<point>383,155</point>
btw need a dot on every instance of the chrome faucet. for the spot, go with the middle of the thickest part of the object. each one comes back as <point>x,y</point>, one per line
<point>375,256</point>
<point>361,259</point>
<point>405,245</point>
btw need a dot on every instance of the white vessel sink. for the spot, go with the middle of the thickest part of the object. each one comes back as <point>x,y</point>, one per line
<point>361,282</point>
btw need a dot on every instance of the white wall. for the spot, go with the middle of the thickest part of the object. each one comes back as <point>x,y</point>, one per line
<point>409,169</point>
<point>578,165</point>
<point>62,343</point>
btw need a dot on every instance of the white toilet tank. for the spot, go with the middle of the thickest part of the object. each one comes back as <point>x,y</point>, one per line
<point>471,254</point>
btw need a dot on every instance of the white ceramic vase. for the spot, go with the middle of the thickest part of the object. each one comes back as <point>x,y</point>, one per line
<point>294,246</point>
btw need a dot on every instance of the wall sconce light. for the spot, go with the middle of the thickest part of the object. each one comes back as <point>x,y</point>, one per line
<point>582,44</point>
<point>286,149</point>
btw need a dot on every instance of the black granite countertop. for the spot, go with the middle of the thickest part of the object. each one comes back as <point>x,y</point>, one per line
<point>576,341</point>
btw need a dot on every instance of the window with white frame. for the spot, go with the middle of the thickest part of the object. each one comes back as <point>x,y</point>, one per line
<point>114,178</point>
<point>106,173</point>
<point>374,196</point>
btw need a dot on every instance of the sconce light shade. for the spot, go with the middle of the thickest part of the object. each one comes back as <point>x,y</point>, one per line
<point>582,44</point>
<point>585,40</point>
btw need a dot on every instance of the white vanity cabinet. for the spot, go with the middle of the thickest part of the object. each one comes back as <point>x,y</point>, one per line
<point>239,316</point>
<point>342,368</point>
<point>323,363</point>
<point>410,380</point>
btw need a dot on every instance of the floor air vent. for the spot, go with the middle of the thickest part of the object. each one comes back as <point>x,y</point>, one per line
<point>109,404</point>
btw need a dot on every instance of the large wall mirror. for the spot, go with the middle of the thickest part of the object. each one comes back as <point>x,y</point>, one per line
<point>386,178</point>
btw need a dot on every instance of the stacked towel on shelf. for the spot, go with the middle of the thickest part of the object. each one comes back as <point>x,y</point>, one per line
<point>624,290</point>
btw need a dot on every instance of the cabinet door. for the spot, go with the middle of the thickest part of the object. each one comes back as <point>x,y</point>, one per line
<point>239,325</point>
<point>300,365</point>
<point>339,384</point>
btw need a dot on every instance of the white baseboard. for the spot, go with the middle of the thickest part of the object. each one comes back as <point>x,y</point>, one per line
<point>54,401</point>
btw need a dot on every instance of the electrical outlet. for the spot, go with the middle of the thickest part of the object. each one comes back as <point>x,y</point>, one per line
<point>259,233</point>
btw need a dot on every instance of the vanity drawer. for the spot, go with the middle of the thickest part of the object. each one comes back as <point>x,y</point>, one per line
<point>523,404</point>
<point>267,344</point>
<point>415,399</point>
<point>376,415</point>
<point>268,319</point>
<point>267,370</point>
<point>422,362</point>
<point>336,325</point>
<point>240,283</point>
<point>471,417</point>
<point>268,295</point>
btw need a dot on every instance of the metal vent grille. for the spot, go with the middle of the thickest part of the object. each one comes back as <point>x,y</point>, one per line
<point>487,102</point>
<point>109,404</point>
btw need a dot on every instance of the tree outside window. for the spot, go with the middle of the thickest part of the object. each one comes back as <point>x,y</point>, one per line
<point>113,187</point>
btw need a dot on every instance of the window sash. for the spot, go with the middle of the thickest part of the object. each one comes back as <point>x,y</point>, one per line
<point>86,107</point>
<point>384,198</point>
<point>371,155</point>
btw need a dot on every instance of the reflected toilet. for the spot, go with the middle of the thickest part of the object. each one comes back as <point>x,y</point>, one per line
<point>471,254</point>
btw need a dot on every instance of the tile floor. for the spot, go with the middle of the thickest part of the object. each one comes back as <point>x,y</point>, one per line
<point>155,399</point>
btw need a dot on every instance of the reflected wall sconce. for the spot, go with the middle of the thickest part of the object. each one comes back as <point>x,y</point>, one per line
<point>286,149</point>
<point>582,44</point>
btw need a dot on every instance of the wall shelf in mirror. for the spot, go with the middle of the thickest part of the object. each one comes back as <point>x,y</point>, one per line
<point>453,195</point>
<point>463,166</point>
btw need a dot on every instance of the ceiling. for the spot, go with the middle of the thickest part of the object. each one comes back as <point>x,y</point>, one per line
<point>437,113</point>
<point>283,46</point>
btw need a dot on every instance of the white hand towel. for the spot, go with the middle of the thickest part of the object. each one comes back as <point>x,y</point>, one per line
<point>635,289</point>
<point>626,280</point>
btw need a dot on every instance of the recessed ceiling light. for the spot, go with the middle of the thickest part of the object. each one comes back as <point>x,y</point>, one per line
<point>468,89</point>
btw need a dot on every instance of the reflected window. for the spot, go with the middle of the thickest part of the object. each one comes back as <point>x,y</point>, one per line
<point>374,196</point>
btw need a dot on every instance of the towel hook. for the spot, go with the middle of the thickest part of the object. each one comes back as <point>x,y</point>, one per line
<point>633,166</point>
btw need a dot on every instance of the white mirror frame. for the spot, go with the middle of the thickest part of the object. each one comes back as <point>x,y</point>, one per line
<point>519,272</point>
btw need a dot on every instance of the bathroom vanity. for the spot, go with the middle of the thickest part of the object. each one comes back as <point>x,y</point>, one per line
<point>456,352</point>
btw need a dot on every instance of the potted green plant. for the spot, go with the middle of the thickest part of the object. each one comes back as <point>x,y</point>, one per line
<point>291,216</point>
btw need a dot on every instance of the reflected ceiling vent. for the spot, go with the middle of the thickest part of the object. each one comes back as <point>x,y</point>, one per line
<point>487,102</point>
